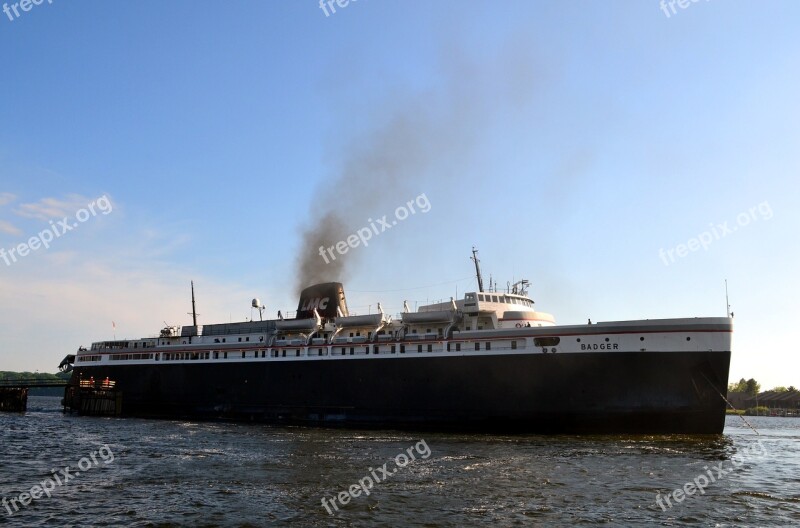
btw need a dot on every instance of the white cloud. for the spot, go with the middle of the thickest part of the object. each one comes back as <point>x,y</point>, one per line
<point>53,208</point>
<point>6,198</point>
<point>67,295</point>
<point>9,229</point>
<point>61,301</point>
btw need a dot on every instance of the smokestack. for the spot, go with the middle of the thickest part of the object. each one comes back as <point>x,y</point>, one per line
<point>327,299</point>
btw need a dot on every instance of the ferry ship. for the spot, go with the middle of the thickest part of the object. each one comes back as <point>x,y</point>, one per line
<point>489,361</point>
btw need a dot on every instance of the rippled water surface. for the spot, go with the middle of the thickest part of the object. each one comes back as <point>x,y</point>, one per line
<point>176,473</point>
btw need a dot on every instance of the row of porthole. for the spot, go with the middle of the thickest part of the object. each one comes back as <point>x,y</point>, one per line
<point>640,339</point>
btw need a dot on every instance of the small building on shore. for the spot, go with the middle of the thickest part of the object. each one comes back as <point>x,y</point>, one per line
<point>783,401</point>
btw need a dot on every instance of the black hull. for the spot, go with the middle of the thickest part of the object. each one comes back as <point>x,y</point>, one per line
<point>592,393</point>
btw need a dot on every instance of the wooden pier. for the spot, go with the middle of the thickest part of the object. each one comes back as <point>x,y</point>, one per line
<point>13,399</point>
<point>93,398</point>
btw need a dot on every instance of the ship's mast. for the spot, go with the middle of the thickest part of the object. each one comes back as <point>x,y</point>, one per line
<point>477,268</point>
<point>194,310</point>
<point>727,303</point>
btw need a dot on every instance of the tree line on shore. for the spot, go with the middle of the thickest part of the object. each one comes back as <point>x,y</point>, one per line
<point>40,376</point>
<point>751,387</point>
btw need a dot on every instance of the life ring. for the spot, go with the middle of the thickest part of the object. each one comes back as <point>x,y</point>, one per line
<point>519,325</point>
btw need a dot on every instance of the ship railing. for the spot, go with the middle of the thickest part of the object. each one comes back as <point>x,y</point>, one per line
<point>92,383</point>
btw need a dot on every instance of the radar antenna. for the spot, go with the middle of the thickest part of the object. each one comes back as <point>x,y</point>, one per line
<point>256,303</point>
<point>520,287</point>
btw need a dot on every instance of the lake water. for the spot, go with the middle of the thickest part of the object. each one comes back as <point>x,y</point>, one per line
<point>136,472</point>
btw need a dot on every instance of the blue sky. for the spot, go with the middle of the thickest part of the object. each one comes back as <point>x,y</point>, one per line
<point>568,141</point>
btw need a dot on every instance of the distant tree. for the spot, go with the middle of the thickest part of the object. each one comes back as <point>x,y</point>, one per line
<point>7,375</point>
<point>780,389</point>
<point>791,388</point>
<point>752,387</point>
<point>43,376</point>
<point>741,386</point>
